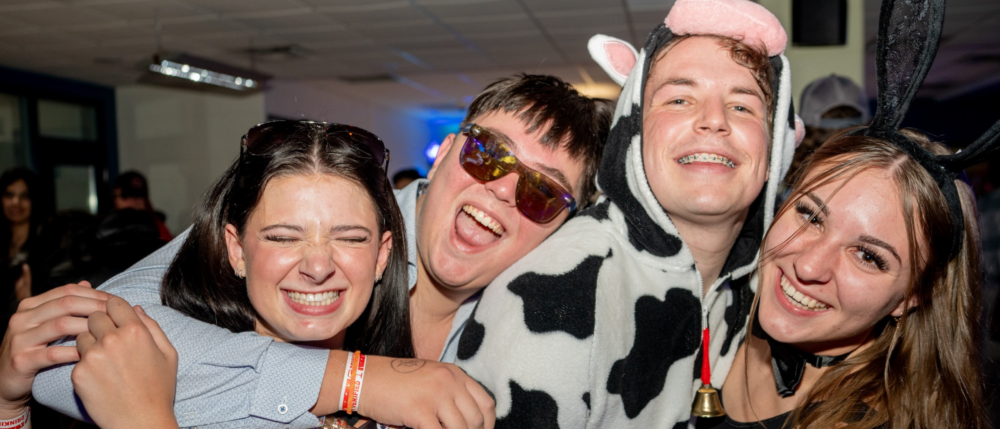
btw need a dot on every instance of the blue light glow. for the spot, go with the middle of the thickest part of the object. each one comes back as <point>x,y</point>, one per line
<point>431,151</point>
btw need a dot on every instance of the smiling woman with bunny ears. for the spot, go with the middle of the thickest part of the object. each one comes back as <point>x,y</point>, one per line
<point>867,312</point>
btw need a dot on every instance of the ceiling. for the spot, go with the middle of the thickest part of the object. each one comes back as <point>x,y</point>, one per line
<point>427,53</point>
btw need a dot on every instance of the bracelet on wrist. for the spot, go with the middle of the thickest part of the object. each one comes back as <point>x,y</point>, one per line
<point>19,422</point>
<point>354,373</point>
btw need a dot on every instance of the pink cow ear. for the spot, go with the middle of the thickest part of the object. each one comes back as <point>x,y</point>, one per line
<point>617,57</point>
<point>800,130</point>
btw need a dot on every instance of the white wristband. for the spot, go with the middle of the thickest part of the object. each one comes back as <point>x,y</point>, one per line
<point>19,422</point>
<point>347,377</point>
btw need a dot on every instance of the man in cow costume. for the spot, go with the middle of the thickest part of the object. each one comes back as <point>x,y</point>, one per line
<point>602,325</point>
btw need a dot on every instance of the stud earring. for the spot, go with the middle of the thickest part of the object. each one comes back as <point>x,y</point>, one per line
<point>239,273</point>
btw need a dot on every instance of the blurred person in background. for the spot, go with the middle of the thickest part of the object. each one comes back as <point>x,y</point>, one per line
<point>18,232</point>
<point>403,178</point>
<point>829,105</point>
<point>131,191</point>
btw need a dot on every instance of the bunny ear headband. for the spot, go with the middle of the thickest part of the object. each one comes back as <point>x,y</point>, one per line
<point>908,36</point>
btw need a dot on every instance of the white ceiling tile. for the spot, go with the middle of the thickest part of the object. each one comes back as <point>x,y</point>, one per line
<point>146,10</point>
<point>184,29</point>
<point>476,8</point>
<point>583,22</point>
<point>283,22</point>
<point>240,6</point>
<point>367,17</point>
<point>401,30</point>
<point>116,33</point>
<point>57,17</point>
<point>567,5</point>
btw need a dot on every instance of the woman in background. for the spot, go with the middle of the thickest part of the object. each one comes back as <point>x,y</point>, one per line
<point>19,229</point>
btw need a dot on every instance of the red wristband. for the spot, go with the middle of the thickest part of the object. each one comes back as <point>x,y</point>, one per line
<point>19,422</point>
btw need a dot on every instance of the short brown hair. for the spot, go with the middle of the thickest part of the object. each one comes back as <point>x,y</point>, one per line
<point>576,123</point>
<point>752,57</point>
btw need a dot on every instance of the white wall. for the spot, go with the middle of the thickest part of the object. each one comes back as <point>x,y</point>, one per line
<point>181,140</point>
<point>811,63</point>
<point>404,133</point>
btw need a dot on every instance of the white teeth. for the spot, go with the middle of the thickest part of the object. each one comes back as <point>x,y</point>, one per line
<point>799,299</point>
<point>707,157</point>
<point>324,298</point>
<point>483,219</point>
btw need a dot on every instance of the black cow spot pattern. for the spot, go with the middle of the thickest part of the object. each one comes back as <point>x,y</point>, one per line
<point>471,340</point>
<point>665,332</point>
<point>643,232</point>
<point>598,211</point>
<point>737,312</point>
<point>529,409</point>
<point>586,399</point>
<point>562,302</point>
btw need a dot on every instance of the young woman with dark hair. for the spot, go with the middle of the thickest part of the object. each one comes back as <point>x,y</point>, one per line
<point>297,241</point>
<point>19,227</point>
<point>285,174</point>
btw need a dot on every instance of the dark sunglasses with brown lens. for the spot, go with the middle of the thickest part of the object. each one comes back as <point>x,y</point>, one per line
<point>486,158</point>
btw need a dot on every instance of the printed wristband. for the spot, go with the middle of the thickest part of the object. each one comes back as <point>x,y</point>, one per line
<point>347,382</point>
<point>351,404</point>
<point>359,377</point>
<point>19,422</point>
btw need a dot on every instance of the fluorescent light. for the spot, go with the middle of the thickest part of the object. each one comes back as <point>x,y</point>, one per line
<point>197,74</point>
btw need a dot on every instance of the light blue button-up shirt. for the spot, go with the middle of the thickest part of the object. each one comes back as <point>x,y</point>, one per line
<point>224,379</point>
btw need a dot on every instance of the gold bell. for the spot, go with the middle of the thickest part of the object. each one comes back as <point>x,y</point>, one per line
<point>707,403</point>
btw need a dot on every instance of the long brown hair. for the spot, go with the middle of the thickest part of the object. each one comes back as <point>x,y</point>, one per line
<point>922,371</point>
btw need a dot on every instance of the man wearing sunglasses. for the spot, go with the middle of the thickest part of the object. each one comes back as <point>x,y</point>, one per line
<point>522,164</point>
<point>608,322</point>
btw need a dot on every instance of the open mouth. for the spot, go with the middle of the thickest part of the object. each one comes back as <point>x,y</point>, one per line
<point>313,299</point>
<point>710,158</point>
<point>484,220</point>
<point>799,299</point>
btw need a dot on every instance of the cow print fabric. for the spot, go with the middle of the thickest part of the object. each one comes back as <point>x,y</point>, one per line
<point>600,325</point>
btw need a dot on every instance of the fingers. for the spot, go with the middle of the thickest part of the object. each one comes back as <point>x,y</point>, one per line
<point>32,361</point>
<point>100,324</point>
<point>471,413</point>
<point>120,312</point>
<point>484,402</point>
<point>54,329</point>
<point>63,293</point>
<point>84,342</point>
<point>158,336</point>
<point>451,417</point>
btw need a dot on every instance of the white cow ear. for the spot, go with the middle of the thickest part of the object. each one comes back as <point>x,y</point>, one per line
<point>615,56</point>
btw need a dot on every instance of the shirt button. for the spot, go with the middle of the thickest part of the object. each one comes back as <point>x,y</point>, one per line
<point>282,409</point>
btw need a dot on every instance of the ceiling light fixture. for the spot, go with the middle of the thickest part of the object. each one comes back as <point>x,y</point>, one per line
<point>194,72</point>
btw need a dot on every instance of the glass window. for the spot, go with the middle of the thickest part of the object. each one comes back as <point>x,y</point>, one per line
<point>76,188</point>
<point>12,151</point>
<point>68,121</point>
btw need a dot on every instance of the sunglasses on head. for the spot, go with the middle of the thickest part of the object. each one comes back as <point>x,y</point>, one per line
<point>262,138</point>
<point>486,158</point>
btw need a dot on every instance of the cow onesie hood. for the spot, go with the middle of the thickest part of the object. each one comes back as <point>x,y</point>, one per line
<point>600,326</point>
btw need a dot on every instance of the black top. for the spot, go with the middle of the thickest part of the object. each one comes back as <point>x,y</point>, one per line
<point>776,422</point>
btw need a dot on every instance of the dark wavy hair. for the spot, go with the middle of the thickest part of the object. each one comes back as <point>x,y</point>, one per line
<point>201,282</point>
<point>38,205</point>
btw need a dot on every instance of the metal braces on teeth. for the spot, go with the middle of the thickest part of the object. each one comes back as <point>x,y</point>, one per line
<point>707,158</point>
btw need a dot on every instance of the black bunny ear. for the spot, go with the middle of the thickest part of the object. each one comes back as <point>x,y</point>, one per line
<point>985,146</point>
<point>908,36</point>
